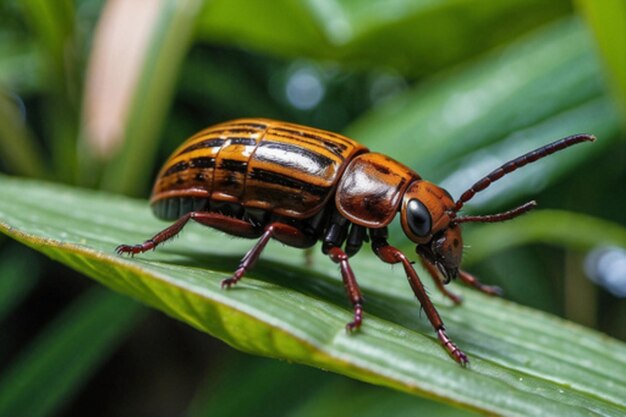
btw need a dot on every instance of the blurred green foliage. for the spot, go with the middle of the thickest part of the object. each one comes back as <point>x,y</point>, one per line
<point>450,88</point>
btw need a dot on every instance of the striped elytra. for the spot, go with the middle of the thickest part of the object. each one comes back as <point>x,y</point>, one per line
<point>279,167</point>
<point>260,178</point>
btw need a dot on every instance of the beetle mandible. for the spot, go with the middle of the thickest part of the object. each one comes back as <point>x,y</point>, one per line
<point>265,179</point>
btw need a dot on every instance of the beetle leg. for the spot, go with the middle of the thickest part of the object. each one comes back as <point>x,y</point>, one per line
<point>356,236</point>
<point>216,220</point>
<point>284,232</point>
<point>391,255</point>
<point>338,256</point>
<point>434,273</point>
<point>472,281</point>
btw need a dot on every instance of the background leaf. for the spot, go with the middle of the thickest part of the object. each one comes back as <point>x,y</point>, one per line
<point>523,362</point>
<point>46,374</point>
<point>608,22</point>
<point>376,32</point>
<point>167,39</point>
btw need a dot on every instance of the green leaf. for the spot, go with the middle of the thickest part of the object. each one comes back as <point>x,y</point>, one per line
<point>249,386</point>
<point>252,386</point>
<point>523,362</point>
<point>70,349</point>
<point>18,275</point>
<point>19,149</point>
<point>54,27</point>
<point>342,398</point>
<point>608,22</point>
<point>411,36</point>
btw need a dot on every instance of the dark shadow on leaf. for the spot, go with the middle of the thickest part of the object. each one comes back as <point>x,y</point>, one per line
<point>311,283</point>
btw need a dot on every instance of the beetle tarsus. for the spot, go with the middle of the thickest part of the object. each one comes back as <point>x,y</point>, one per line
<point>456,353</point>
<point>135,249</point>
<point>229,282</point>
<point>355,325</point>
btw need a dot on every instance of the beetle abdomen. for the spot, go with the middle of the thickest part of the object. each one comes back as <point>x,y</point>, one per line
<point>283,168</point>
<point>174,207</point>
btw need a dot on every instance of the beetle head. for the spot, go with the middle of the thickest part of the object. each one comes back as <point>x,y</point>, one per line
<point>429,215</point>
<point>427,218</point>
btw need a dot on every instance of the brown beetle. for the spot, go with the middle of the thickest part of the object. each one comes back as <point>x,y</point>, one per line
<point>259,178</point>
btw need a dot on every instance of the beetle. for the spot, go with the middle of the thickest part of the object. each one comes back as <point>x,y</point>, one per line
<point>265,179</point>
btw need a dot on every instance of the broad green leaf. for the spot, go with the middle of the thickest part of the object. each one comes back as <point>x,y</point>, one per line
<point>523,362</point>
<point>608,22</point>
<point>56,364</point>
<point>414,37</point>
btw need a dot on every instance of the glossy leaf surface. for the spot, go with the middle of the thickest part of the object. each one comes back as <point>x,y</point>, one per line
<point>522,362</point>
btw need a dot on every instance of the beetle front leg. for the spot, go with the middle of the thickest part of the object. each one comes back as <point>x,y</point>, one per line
<point>434,273</point>
<point>391,255</point>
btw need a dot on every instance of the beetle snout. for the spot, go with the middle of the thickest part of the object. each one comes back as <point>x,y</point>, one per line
<point>445,251</point>
<point>448,273</point>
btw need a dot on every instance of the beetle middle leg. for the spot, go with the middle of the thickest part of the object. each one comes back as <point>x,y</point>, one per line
<point>392,255</point>
<point>338,256</point>
<point>283,232</point>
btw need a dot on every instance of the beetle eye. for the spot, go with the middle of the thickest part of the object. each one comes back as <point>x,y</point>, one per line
<point>418,218</point>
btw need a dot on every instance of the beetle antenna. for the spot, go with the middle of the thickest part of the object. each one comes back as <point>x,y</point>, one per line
<point>499,217</point>
<point>519,162</point>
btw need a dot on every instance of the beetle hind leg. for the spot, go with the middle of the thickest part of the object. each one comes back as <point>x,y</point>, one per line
<point>157,239</point>
<point>216,220</point>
